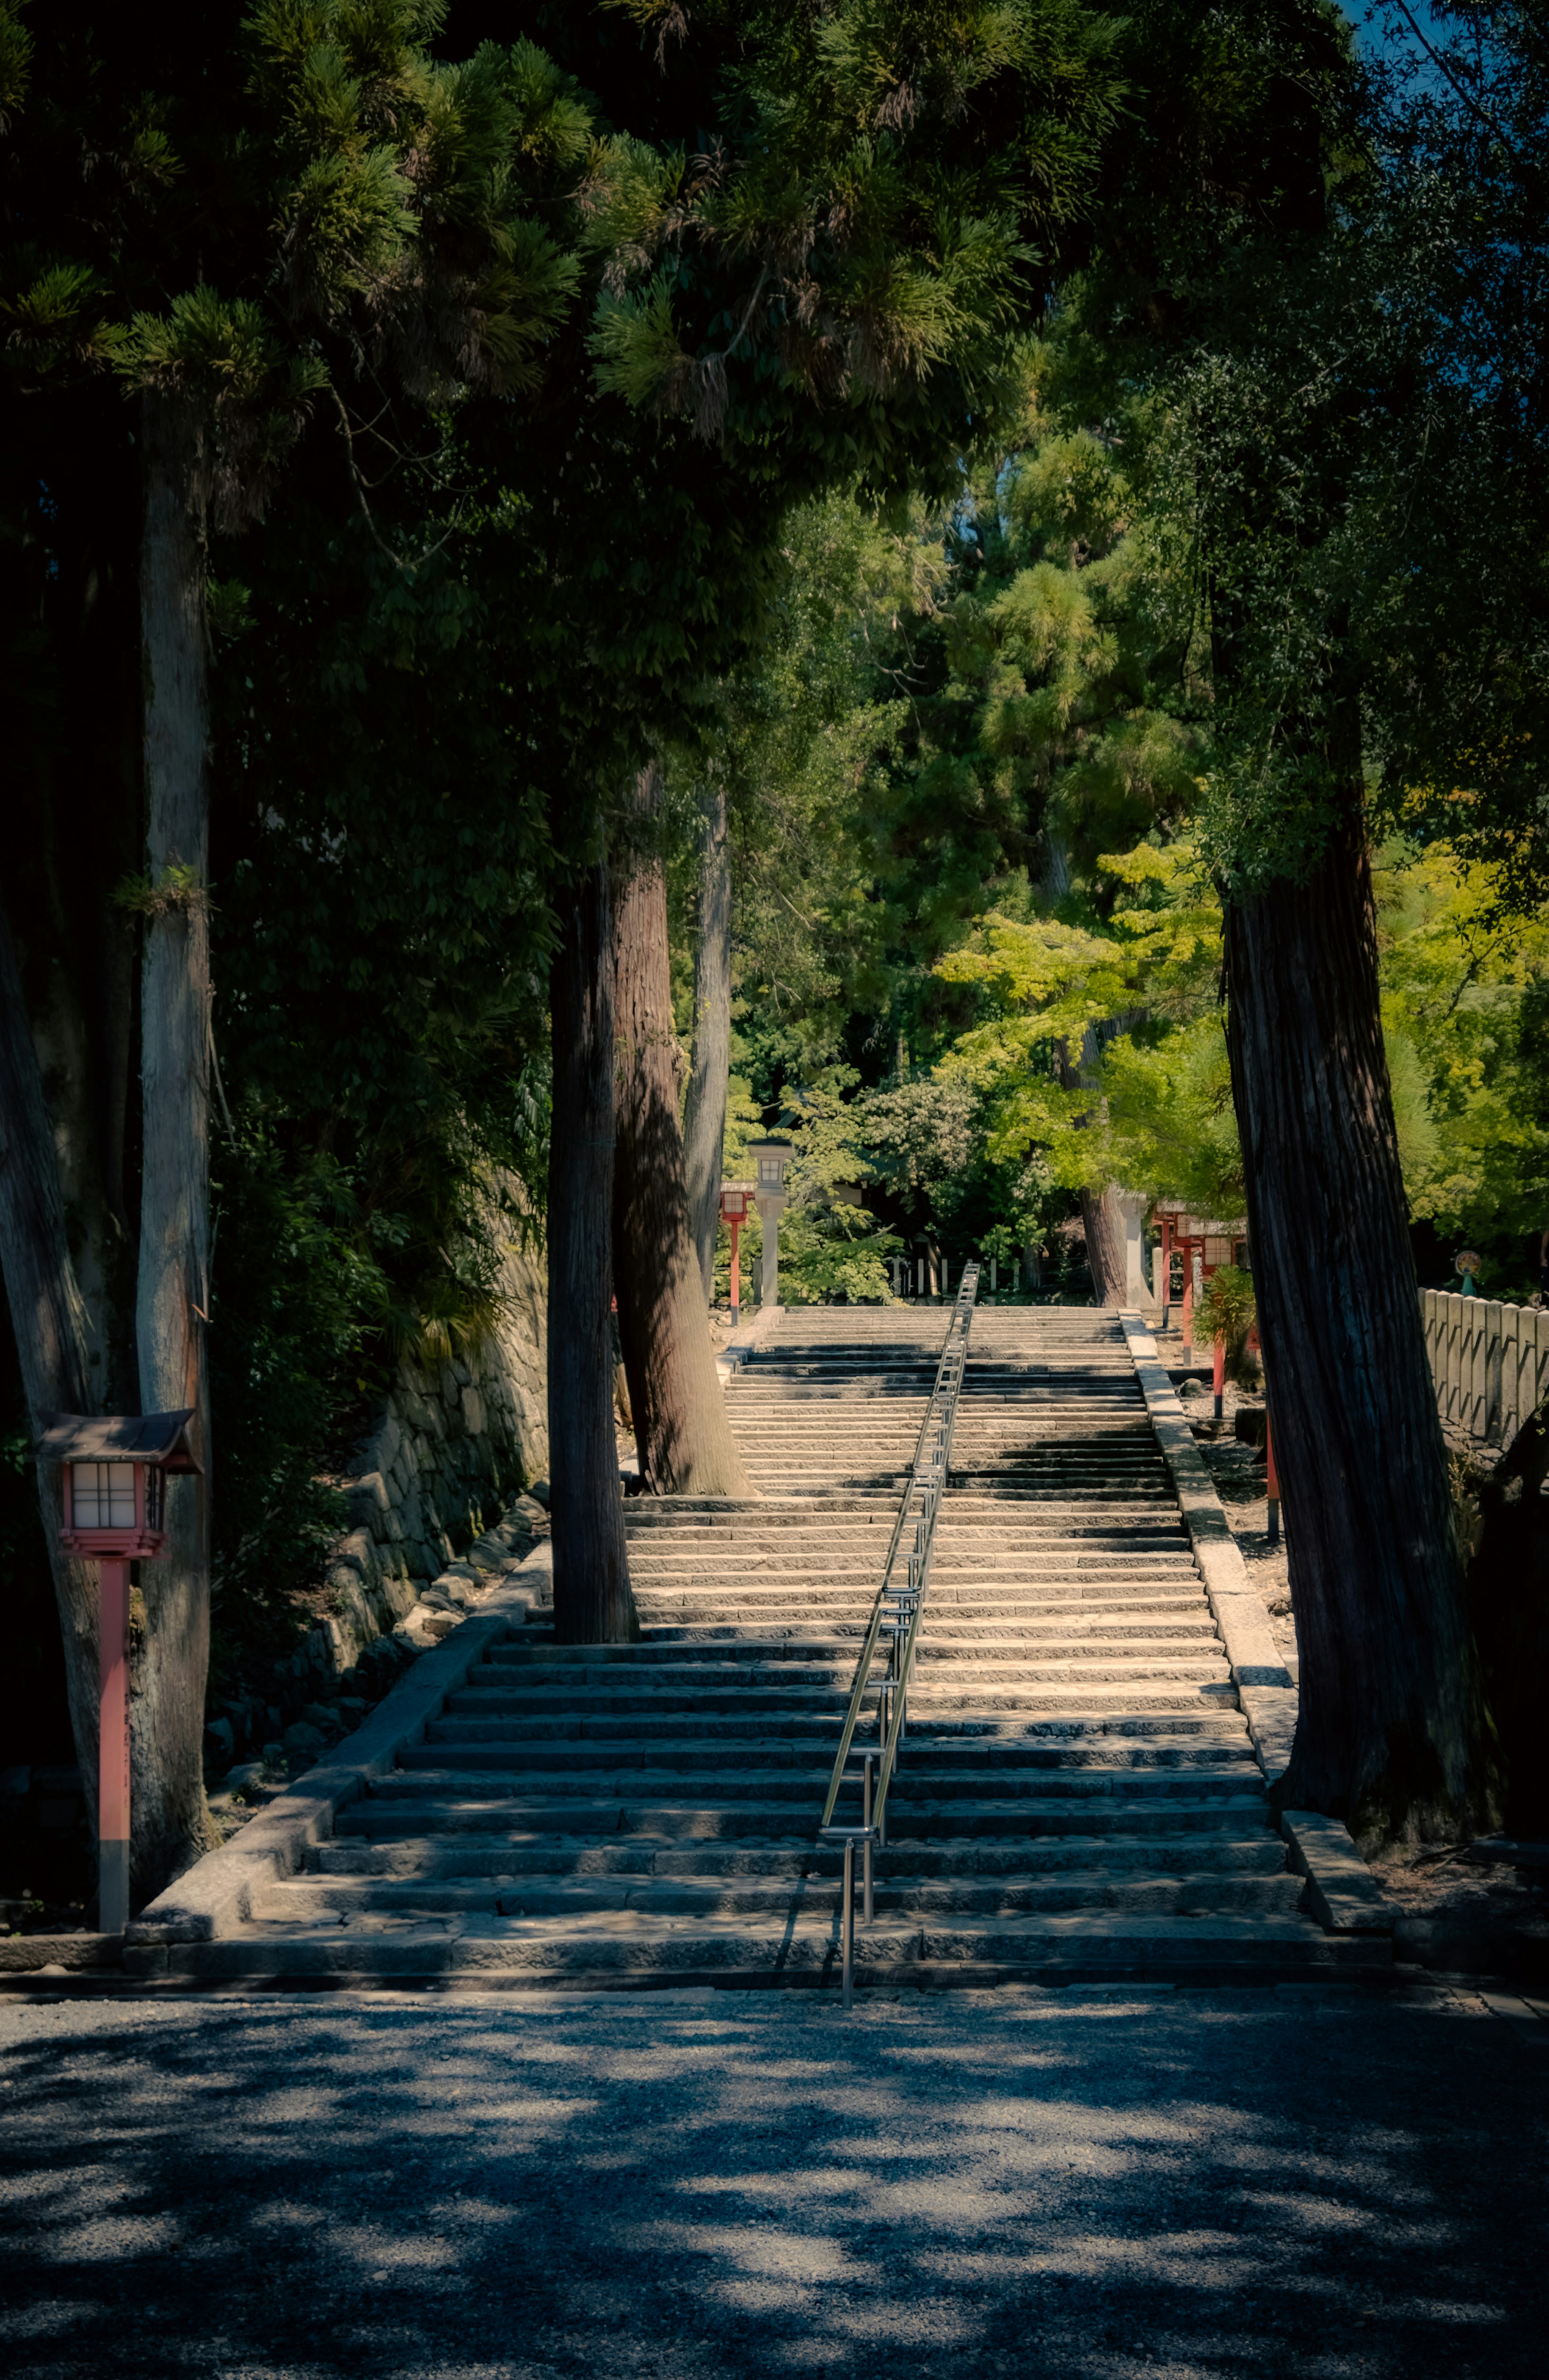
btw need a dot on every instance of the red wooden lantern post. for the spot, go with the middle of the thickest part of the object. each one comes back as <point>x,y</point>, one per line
<point>1272,1484</point>
<point>113,1471</point>
<point>735,1196</point>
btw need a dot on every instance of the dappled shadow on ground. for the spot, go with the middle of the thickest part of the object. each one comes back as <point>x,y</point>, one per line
<point>1094,2188</point>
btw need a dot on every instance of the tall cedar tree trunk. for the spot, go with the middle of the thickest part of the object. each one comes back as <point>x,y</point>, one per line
<point>681,1428</point>
<point>1393,1736</point>
<point>170,1657</point>
<point>1103,1225</point>
<point>593,1603</point>
<point>1102,1222</point>
<point>50,1327</point>
<point>710,1052</point>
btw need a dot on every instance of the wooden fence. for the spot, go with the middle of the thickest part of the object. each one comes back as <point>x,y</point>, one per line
<point>1490,1362</point>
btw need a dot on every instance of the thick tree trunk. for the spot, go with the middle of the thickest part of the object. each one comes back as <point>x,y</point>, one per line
<point>171,1657</point>
<point>681,1428</point>
<point>593,1603</point>
<point>710,1054</point>
<point>1393,1735</point>
<point>1102,1222</point>
<point>50,1322</point>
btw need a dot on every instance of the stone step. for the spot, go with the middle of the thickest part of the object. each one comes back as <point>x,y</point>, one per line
<point>430,1803</point>
<point>522,1695</point>
<point>778,1774</point>
<point>310,1900</point>
<point>1013,1613</point>
<point>538,1950</point>
<point>1043,1605</point>
<point>1015,1517</point>
<point>1161,1556</point>
<point>470,1856</point>
<point>607,1701</point>
<point>997,1743</point>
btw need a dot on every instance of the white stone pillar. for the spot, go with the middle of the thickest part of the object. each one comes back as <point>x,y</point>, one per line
<point>1134,1205</point>
<point>768,1261</point>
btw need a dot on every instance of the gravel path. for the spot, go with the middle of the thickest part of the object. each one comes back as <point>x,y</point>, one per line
<point>1079,2184</point>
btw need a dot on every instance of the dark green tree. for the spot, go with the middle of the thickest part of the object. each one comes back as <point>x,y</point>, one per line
<point>208,239</point>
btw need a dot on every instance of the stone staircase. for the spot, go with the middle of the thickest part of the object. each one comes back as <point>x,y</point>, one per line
<point>1078,1795</point>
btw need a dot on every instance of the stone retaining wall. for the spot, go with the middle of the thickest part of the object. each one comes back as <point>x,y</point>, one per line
<point>450,1450</point>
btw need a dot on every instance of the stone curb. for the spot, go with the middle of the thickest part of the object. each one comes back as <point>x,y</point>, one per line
<point>1263,1683</point>
<point>746,1339</point>
<point>1342,1894</point>
<point>215,1895</point>
<point>27,1954</point>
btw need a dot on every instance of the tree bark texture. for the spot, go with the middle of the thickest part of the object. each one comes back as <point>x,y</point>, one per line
<point>1393,1736</point>
<point>681,1427</point>
<point>50,1322</point>
<point>1103,1225</point>
<point>593,1603</point>
<point>710,1054</point>
<point>1508,1599</point>
<point>171,1655</point>
<point>1102,1222</point>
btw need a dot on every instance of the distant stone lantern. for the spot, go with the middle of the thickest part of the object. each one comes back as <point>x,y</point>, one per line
<point>771,1158</point>
<point>737,1203</point>
<point>112,1474</point>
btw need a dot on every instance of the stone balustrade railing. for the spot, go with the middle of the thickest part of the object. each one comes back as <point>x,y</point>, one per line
<point>1490,1363</point>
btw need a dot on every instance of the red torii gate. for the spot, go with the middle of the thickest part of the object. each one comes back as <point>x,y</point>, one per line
<point>1202,1244</point>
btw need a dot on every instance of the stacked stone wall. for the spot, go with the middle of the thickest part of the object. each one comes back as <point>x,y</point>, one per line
<point>450,1450</point>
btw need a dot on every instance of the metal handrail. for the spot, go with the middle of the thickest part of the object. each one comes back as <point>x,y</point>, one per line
<point>921,1502</point>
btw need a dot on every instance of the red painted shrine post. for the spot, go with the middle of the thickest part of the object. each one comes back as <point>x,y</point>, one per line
<point>113,1473</point>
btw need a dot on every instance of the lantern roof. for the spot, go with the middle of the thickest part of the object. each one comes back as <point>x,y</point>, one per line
<point>1197,1227</point>
<point>121,1437</point>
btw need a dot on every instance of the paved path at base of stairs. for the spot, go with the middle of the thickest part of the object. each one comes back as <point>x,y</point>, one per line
<point>1250,2185</point>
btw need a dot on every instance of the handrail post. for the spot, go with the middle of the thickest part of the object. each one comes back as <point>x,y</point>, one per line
<point>849,1927</point>
<point>847,1838</point>
<point>865,1821</point>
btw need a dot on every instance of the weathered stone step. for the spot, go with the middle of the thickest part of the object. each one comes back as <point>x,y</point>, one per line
<point>635,1735</point>
<point>524,1704</point>
<point>1113,1613</point>
<point>1018,1618</point>
<point>483,1855</point>
<point>1221,1724</point>
<point>1163,1560</point>
<point>428,1803</point>
<point>311,1900</point>
<point>625,1945</point>
<point>778,1774</point>
<point>1008,1528</point>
